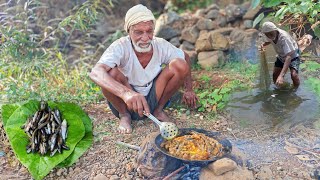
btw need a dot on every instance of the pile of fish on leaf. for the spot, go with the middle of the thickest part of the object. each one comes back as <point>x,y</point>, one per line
<point>46,130</point>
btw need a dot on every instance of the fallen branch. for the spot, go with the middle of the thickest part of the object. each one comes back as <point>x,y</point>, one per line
<point>128,145</point>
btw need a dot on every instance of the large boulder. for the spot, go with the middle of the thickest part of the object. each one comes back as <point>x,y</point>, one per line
<point>167,32</point>
<point>206,24</point>
<point>209,59</point>
<point>213,40</point>
<point>222,166</point>
<point>190,34</point>
<point>238,173</point>
<point>243,45</point>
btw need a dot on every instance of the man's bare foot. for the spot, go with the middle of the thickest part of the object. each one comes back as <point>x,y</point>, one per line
<point>125,124</point>
<point>162,116</point>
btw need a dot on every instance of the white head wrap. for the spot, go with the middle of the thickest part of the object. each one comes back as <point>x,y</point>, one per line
<point>136,14</point>
<point>268,27</point>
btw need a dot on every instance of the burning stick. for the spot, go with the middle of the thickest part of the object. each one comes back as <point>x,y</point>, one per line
<point>174,173</point>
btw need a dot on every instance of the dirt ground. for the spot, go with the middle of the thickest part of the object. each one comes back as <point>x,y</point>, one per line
<point>268,153</point>
<point>117,162</point>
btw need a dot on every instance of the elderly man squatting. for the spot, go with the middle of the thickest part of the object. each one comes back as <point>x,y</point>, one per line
<point>288,53</point>
<point>130,74</point>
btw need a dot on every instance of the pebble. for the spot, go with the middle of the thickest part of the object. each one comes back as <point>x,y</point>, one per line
<point>111,171</point>
<point>2,153</point>
<point>59,172</point>
<point>279,168</point>
<point>114,177</point>
<point>100,177</point>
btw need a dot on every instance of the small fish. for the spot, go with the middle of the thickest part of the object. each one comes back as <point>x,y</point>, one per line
<point>56,118</point>
<point>43,105</point>
<point>53,140</point>
<point>64,130</point>
<point>53,152</point>
<point>65,147</point>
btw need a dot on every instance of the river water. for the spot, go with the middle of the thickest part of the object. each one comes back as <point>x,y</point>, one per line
<point>275,107</point>
<point>267,118</point>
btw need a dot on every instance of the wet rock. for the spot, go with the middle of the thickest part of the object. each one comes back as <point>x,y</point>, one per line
<point>222,166</point>
<point>100,177</point>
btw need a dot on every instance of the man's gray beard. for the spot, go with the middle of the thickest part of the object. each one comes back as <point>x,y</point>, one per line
<point>140,49</point>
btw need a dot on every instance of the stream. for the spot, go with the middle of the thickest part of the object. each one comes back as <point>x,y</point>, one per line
<point>275,116</point>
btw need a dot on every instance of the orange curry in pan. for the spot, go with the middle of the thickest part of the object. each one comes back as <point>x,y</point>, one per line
<point>193,146</point>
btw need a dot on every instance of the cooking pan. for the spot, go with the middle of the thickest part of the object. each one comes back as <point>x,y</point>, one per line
<point>226,145</point>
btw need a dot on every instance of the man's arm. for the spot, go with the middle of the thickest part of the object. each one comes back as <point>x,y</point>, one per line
<point>189,97</point>
<point>134,101</point>
<point>284,70</point>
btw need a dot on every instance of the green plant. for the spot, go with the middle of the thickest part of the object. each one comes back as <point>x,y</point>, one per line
<point>293,12</point>
<point>35,65</point>
<point>213,99</point>
<point>183,5</point>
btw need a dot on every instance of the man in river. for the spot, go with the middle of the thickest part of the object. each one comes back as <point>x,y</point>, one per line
<point>288,53</point>
<point>131,75</point>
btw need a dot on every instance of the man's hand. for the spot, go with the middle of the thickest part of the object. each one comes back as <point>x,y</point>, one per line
<point>261,48</point>
<point>279,81</point>
<point>136,102</point>
<point>190,99</point>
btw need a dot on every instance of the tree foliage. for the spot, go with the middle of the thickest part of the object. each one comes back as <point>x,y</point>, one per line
<point>33,63</point>
<point>297,14</point>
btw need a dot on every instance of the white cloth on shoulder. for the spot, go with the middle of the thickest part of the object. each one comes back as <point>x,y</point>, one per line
<point>136,14</point>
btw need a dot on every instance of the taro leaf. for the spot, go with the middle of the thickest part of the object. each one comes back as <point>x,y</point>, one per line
<point>7,110</point>
<point>86,141</point>
<point>257,20</point>
<point>271,3</point>
<point>316,30</point>
<point>254,4</point>
<point>40,166</point>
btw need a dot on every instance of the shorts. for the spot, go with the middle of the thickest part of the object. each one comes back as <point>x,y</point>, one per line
<point>151,100</point>
<point>295,63</point>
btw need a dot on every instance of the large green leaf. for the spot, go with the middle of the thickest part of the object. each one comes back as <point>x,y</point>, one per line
<point>86,141</point>
<point>257,20</point>
<point>40,166</point>
<point>271,3</point>
<point>316,30</point>
<point>7,110</point>
<point>254,3</point>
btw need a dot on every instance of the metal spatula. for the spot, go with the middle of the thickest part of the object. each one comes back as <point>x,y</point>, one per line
<point>168,130</point>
